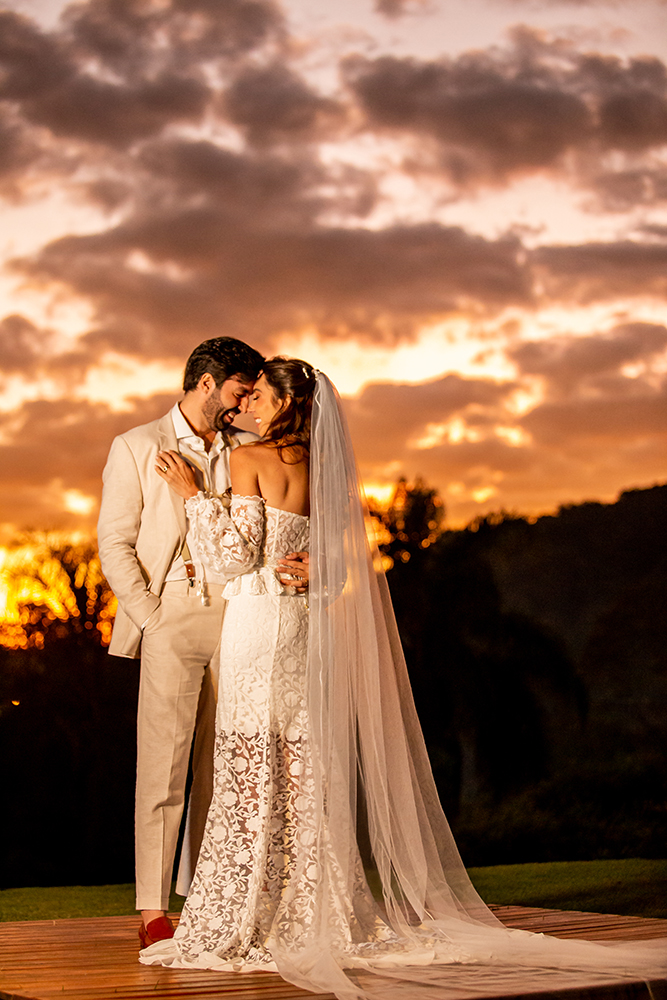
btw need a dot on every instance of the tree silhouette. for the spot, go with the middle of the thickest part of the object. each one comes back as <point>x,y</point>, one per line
<point>67,712</point>
<point>538,653</point>
<point>53,587</point>
<point>412,521</point>
<point>485,680</point>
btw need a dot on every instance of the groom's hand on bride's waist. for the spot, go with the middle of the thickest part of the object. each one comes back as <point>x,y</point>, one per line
<point>293,571</point>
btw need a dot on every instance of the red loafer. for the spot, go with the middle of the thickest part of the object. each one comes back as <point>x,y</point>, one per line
<point>158,930</point>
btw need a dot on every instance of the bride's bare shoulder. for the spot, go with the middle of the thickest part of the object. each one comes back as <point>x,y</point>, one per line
<point>253,455</point>
<point>245,463</point>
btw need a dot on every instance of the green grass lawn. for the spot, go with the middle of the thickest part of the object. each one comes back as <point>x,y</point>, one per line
<point>58,902</point>
<point>630,886</point>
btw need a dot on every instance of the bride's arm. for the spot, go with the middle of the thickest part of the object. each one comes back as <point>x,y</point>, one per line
<point>228,543</point>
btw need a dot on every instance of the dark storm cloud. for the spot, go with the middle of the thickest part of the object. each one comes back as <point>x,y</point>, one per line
<point>33,62</point>
<point>119,71</point>
<point>653,230</point>
<point>117,115</point>
<point>593,411</point>
<point>500,111</point>
<point>18,150</point>
<point>255,190</point>
<point>609,421</point>
<point>376,284</point>
<point>169,173</point>
<point>636,120</point>
<point>130,35</point>
<point>397,8</point>
<point>623,190</point>
<point>511,123</point>
<point>566,362</point>
<point>24,348</point>
<point>273,103</point>
<point>389,424</point>
<point>402,412</point>
<point>108,192</point>
<point>591,271</point>
<point>44,76</point>
<point>49,446</point>
<point>593,421</point>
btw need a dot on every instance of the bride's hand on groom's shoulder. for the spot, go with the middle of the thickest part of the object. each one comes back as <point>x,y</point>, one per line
<point>293,571</point>
<point>175,471</point>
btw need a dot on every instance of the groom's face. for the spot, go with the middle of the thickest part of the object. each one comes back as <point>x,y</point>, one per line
<point>226,402</point>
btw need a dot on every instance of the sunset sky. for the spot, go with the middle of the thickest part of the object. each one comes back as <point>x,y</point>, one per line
<point>456,208</point>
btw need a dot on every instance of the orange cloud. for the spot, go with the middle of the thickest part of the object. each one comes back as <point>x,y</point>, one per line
<point>232,192</point>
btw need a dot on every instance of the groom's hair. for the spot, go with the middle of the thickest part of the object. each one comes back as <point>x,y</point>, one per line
<point>223,358</point>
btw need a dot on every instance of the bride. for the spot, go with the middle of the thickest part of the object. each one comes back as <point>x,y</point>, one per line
<point>327,856</point>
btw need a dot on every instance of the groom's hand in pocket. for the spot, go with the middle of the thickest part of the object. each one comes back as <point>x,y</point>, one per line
<point>293,571</point>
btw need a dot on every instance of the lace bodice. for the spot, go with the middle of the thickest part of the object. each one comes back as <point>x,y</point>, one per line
<point>285,532</point>
<point>249,538</point>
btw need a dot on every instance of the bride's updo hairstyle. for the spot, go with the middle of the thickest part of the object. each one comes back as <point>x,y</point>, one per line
<point>292,383</point>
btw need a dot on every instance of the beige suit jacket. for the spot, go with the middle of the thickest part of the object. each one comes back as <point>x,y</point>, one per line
<point>141,527</point>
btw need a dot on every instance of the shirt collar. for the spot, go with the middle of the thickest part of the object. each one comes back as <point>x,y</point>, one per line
<point>184,431</point>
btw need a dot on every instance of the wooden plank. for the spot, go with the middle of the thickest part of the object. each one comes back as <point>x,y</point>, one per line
<point>96,959</point>
<point>591,926</point>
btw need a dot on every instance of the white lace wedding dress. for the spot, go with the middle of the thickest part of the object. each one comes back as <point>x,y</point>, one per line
<point>265,851</point>
<point>259,817</point>
<point>262,853</point>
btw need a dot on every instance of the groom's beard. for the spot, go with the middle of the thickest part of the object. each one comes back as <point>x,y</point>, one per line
<point>219,418</point>
<point>225,418</point>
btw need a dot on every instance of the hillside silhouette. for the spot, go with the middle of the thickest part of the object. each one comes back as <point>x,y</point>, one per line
<point>538,655</point>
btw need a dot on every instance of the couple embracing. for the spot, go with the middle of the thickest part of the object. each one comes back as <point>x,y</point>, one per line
<point>324,854</point>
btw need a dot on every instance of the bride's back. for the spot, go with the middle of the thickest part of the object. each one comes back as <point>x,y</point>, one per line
<point>279,475</point>
<point>276,468</point>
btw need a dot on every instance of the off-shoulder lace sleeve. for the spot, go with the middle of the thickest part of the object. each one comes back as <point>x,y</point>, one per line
<point>228,541</point>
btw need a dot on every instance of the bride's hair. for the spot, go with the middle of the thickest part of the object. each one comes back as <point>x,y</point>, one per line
<point>292,382</point>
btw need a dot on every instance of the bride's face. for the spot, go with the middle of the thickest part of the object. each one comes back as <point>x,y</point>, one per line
<point>263,405</point>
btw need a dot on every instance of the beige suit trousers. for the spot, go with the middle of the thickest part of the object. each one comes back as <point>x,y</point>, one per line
<point>177,697</point>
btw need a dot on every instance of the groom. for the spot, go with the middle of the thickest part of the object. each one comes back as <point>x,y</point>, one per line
<point>170,611</point>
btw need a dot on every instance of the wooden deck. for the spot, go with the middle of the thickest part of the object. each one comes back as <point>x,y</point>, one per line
<point>97,960</point>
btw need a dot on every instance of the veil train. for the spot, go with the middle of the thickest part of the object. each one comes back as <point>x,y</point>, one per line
<point>430,935</point>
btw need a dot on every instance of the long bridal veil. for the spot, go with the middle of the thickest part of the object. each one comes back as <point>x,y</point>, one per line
<point>393,912</point>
